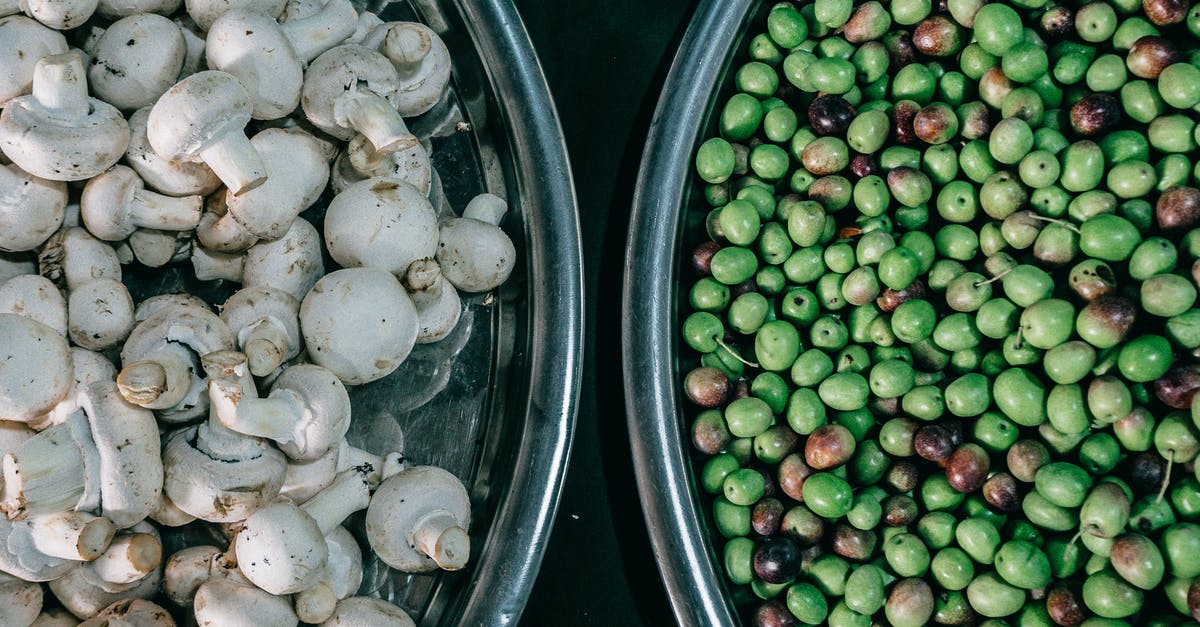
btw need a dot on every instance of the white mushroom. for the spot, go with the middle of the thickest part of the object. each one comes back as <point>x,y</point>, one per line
<point>70,535</point>
<point>306,414</point>
<point>55,617</point>
<point>368,22</point>
<point>359,611</point>
<point>423,63</point>
<point>115,9</point>
<point>342,576</point>
<point>136,59</point>
<point>116,203</point>
<point>131,613</point>
<point>209,265</point>
<point>291,263</point>
<point>161,360</point>
<point>418,520</point>
<point>100,314</point>
<point>56,470</point>
<point>72,257</point>
<point>21,559</point>
<point>20,601</point>
<point>186,570</point>
<point>22,42</point>
<point>475,255</point>
<point>216,474</point>
<point>31,208</point>
<point>297,175</point>
<point>205,12</point>
<point>218,231</point>
<point>193,38</point>
<point>381,223</point>
<point>154,248</point>
<point>224,603</point>
<point>155,304</point>
<point>345,92</point>
<point>360,160</point>
<point>35,368</point>
<point>126,437</point>
<point>437,302</point>
<point>282,549</point>
<point>58,132</point>
<point>173,178</point>
<point>202,118</point>
<point>265,321</point>
<point>168,514</point>
<point>131,568</point>
<point>304,479</point>
<point>359,323</point>
<point>16,264</point>
<point>60,14</point>
<point>35,297</point>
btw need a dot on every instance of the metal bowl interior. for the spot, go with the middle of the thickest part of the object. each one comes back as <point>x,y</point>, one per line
<point>665,202</point>
<point>495,402</point>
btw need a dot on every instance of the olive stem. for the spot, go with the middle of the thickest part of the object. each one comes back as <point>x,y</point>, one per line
<point>993,279</point>
<point>732,352</point>
<point>1162,491</point>
<point>1062,223</point>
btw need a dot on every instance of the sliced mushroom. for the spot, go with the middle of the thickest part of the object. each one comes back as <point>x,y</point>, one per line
<point>475,255</point>
<point>22,43</point>
<point>58,132</point>
<point>173,178</point>
<point>31,208</point>
<point>363,106</point>
<point>381,223</point>
<point>438,305</point>
<point>357,611</point>
<point>116,203</point>
<point>35,297</point>
<point>136,59</point>
<point>265,321</point>
<point>417,521</point>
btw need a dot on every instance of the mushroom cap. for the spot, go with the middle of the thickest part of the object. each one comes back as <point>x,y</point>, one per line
<point>100,313</point>
<point>126,437</point>
<point>423,63</point>
<point>22,601</point>
<point>359,611</point>
<point>410,164</point>
<point>252,47</point>
<point>35,297</point>
<point>22,42</point>
<point>381,222</point>
<point>114,9</point>
<point>359,323</point>
<point>91,367</point>
<point>19,557</point>
<point>31,209</point>
<point>195,112</point>
<point>185,571</point>
<point>131,613</point>
<point>306,478</point>
<point>250,304</point>
<point>291,263</point>
<point>220,486</point>
<point>154,304</point>
<point>16,264</point>
<point>73,256</point>
<point>333,74</point>
<point>297,173</point>
<point>475,256</point>
<point>328,416</point>
<point>61,15</point>
<point>223,603</point>
<point>344,569</point>
<point>62,149</point>
<point>173,178</point>
<point>199,329</point>
<point>104,206</point>
<point>281,549</point>
<point>400,503</point>
<point>35,368</point>
<point>136,59</point>
<point>205,12</point>
<point>84,594</point>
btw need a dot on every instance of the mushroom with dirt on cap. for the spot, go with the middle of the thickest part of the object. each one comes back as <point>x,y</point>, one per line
<point>417,521</point>
<point>356,611</point>
<point>173,178</point>
<point>401,221</point>
<point>22,43</point>
<point>345,92</point>
<point>135,60</point>
<point>35,368</point>
<point>131,613</point>
<point>60,14</point>
<point>474,253</point>
<point>265,322</point>
<point>35,297</point>
<point>292,263</point>
<point>31,209</point>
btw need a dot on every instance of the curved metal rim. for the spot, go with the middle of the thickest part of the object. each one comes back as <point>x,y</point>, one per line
<point>503,578</point>
<point>665,484</point>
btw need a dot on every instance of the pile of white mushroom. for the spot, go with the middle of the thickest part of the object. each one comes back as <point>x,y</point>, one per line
<point>124,139</point>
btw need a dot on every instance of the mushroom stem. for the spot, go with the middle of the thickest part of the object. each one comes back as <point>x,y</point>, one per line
<point>50,471</point>
<point>377,120</point>
<point>150,210</point>
<point>406,47</point>
<point>273,418</point>
<point>382,466</point>
<point>349,493</point>
<point>129,558</point>
<point>210,265</point>
<point>159,381</point>
<point>265,343</point>
<point>439,536</point>
<point>72,535</point>
<point>60,84</point>
<point>316,33</point>
<point>316,604</point>
<point>236,162</point>
<point>486,207</point>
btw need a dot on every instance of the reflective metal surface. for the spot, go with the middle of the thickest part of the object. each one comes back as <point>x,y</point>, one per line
<point>674,514</point>
<point>495,402</point>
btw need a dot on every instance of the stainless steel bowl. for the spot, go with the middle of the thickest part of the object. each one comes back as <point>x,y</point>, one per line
<point>666,188</point>
<point>495,403</point>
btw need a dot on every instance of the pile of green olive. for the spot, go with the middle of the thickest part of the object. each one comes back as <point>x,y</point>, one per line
<point>942,318</point>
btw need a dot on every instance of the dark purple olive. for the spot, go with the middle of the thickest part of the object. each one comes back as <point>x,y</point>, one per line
<point>899,510</point>
<point>1146,472</point>
<point>891,299</point>
<point>792,473</point>
<point>830,115</point>
<point>863,165</point>
<point>1065,606</point>
<point>706,386</point>
<point>1178,386</point>
<point>774,613</point>
<point>1095,114</point>
<point>1025,457</point>
<point>1001,492</point>
<point>885,407</point>
<point>803,526</point>
<point>777,560</point>
<point>968,468</point>
<point>900,49</point>
<point>745,287</point>
<point>1178,208</point>
<point>934,443</point>
<point>935,124</point>
<point>903,114</point>
<point>938,36</point>
<point>766,517</point>
<point>1163,12</point>
<point>702,257</point>
<point>828,446</point>
<point>1150,55</point>
<point>709,433</point>
<point>770,486</point>
<point>903,476</point>
<point>856,545</point>
<point>1193,599</point>
<point>1056,22</point>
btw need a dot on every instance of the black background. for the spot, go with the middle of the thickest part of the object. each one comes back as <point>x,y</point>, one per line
<point>605,62</point>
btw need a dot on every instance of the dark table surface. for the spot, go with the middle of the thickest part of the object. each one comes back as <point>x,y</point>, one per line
<point>605,62</point>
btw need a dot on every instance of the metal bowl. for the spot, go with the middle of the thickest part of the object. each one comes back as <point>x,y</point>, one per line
<point>494,403</point>
<point>666,189</point>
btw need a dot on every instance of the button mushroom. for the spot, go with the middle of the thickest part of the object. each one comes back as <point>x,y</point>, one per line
<point>131,613</point>
<point>210,265</point>
<point>116,203</point>
<point>186,570</point>
<point>173,178</point>
<point>475,255</point>
<point>100,314</point>
<point>221,603</point>
<point>127,440</point>
<point>20,601</point>
<point>341,578</point>
<point>35,297</point>
<point>360,160</point>
<point>356,611</point>
<point>423,63</point>
<point>58,132</point>
<point>55,617</point>
<point>282,549</point>
<point>155,304</point>
<point>35,368</point>
<point>205,12</point>
<point>202,118</point>
<point>304,479</point>
<point>31,209</point>
<point>78,536</point>
<point>399,223</point>
<point>265,323</point>
<point>72,257</point>
<point>22,43</point>
<point>417,521</point>
<point>345,92</point>
<point>56,470</point>
<point>136,59</point>
<point>60,14</point>
<point>437,302</point>
<point>291,263</point>
<point>16,264</point>
<point>154,248</point>
<point>131,568</point>
<point>115,9</point>
<point>358,323</point>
